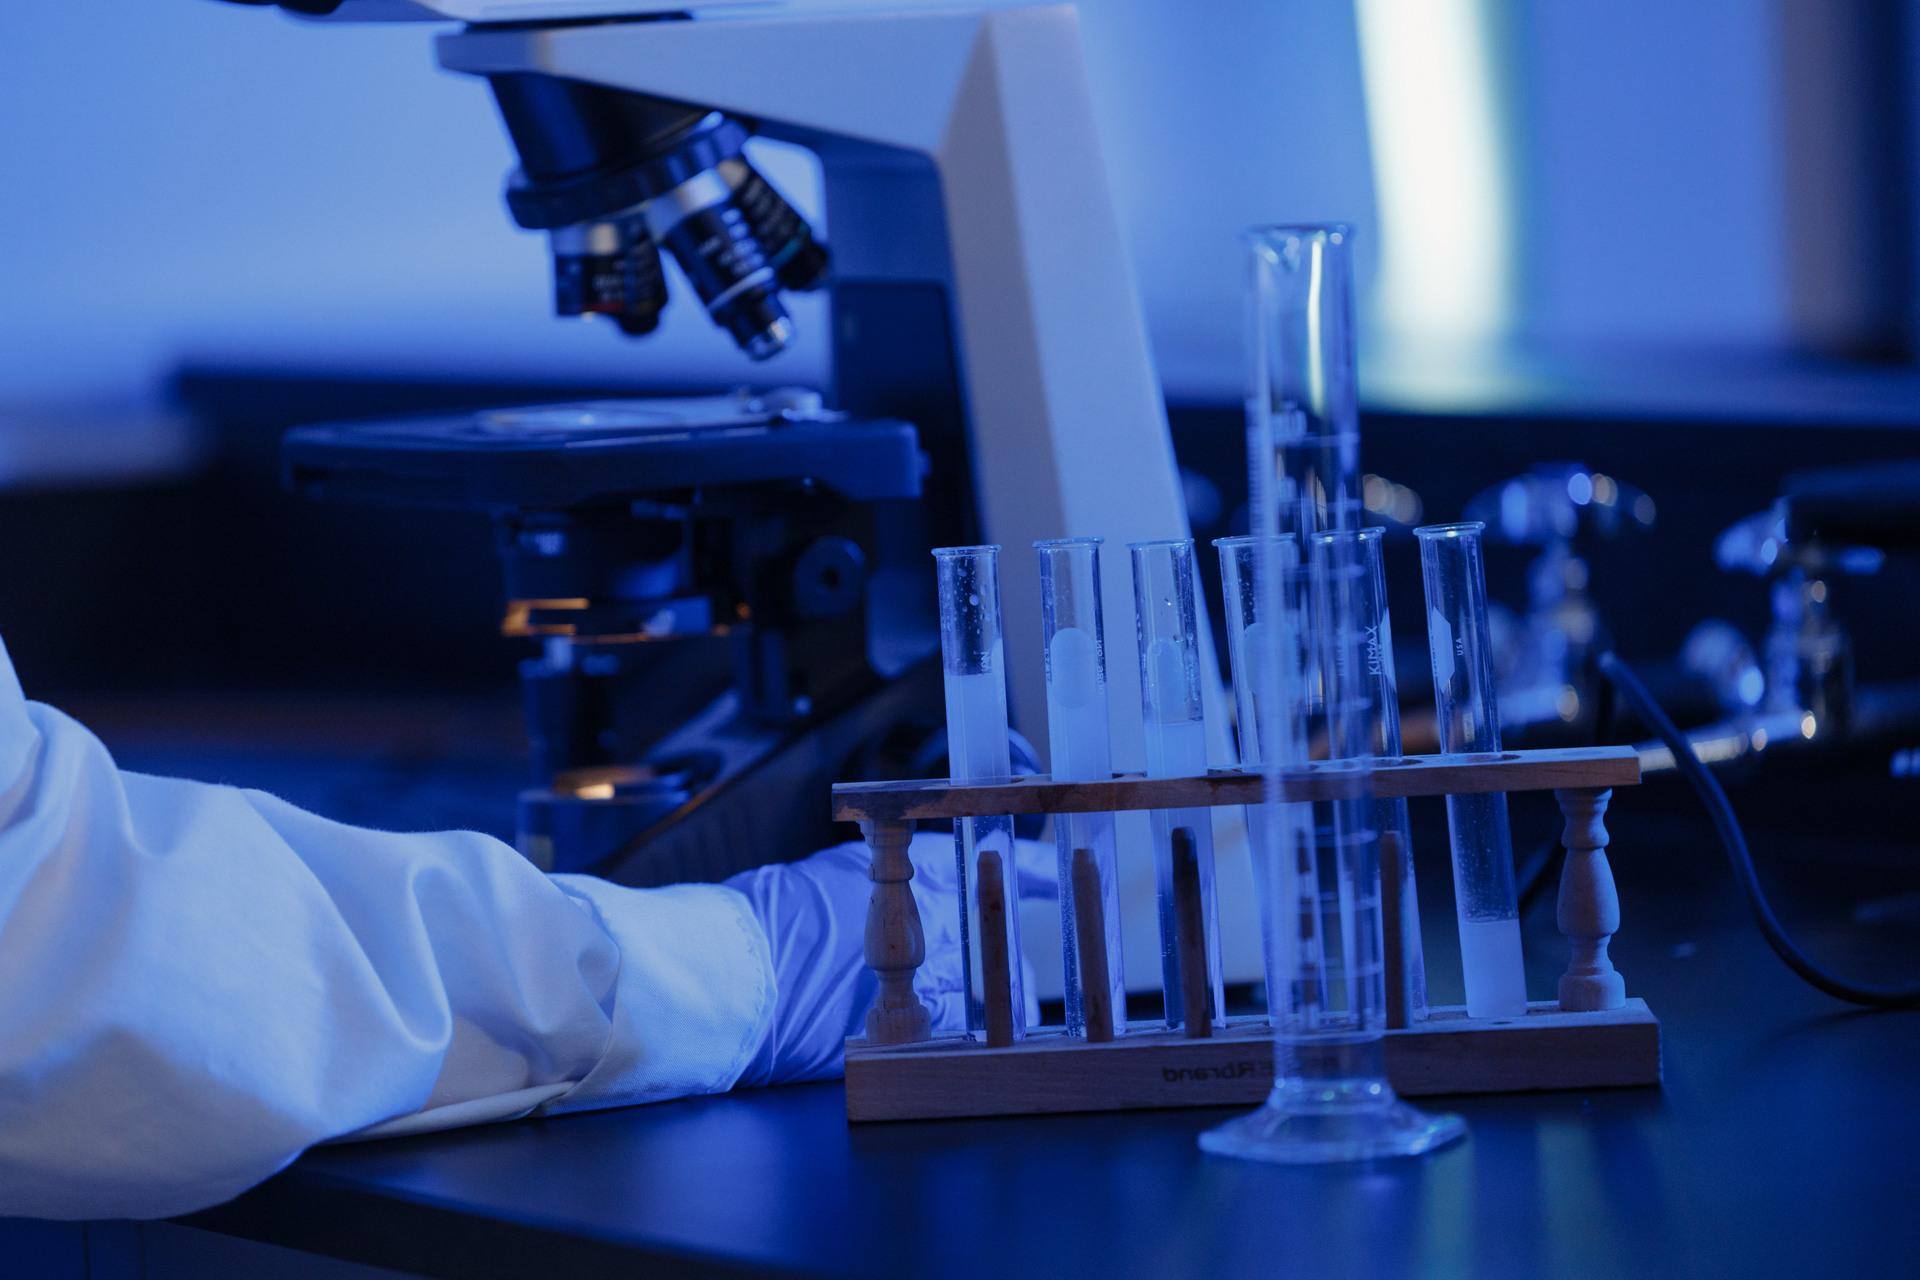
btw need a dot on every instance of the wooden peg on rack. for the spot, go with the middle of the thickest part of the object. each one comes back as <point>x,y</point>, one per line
<point>1393,872</point>
<point>996,961</point>
<point>1090,932</point>
<point>896,945</point>
<point>1190,936</point>
<point>1589,911</point>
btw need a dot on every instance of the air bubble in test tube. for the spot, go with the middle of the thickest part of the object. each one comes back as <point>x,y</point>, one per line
<point>973,661</point>
<point>1082,751</point>
<point>1176,741</point>
<point>1469,724</point>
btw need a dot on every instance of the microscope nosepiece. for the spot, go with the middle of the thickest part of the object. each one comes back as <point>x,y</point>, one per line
<point>619,176</point>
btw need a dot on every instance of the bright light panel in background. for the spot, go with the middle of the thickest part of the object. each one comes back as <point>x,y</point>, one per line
<point>1441,171</point>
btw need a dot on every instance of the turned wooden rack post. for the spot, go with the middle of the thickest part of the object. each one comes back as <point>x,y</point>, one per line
<point>1581,779</point>
<point>1589,908</point>
<point>896,944</point>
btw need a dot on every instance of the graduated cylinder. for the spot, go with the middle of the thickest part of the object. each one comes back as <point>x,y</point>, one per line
<point>1405,962</point>
<point>1469,724</point>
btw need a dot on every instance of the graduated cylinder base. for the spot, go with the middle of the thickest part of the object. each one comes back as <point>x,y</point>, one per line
<point>1333,1105</point>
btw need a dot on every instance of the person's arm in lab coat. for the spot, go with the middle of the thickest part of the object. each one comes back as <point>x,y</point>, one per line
<point>199,982</point>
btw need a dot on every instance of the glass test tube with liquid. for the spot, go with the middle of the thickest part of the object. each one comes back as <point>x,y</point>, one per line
<point>973,661</point>
<point>1262,697</point>
<point>1176,740</point>
<point>1406,990</point>
<point>1469,723</point>
<point>1082,751</point>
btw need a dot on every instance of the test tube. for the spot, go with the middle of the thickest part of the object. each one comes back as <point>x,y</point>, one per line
<point>1331,1100</point>
<point>974,663</point>
<point>1405,966</point>
<point>1469,723</point>
<point>1082,751</point>
<point>1176,740</point>
<point>1349,871</point>
<point>1264,733</point>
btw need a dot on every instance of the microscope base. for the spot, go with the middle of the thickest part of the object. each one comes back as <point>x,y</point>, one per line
<point>764,804</point>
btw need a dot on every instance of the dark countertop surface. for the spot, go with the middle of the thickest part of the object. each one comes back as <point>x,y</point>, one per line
<point>1782,1142</point>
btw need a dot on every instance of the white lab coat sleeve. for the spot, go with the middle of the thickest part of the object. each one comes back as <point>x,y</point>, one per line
<point>198,982</point>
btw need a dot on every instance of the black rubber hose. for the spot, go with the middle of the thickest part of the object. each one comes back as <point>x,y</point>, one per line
<point>1536,872</point>
<point>1628,685</point>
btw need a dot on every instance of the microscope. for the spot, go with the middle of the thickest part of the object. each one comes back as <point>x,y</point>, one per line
<point>732,594</point>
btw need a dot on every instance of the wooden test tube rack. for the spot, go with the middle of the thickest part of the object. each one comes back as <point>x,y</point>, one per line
<point>1592,1036</point>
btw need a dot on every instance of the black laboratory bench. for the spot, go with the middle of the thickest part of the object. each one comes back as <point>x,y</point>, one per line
<point>1783,1141</point>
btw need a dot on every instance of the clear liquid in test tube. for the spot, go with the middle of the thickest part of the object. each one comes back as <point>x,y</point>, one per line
<point>1176,741</point>
<point>1469,724</point>
<point>1081,751</point>
<point>973,661</point>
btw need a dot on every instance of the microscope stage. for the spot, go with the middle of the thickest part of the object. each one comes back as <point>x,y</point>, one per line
<point>552,457</point>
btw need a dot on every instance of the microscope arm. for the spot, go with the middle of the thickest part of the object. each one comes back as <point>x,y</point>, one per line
<point>960,152</point>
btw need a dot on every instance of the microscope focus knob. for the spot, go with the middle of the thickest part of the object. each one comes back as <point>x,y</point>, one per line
<point>829,578</point>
